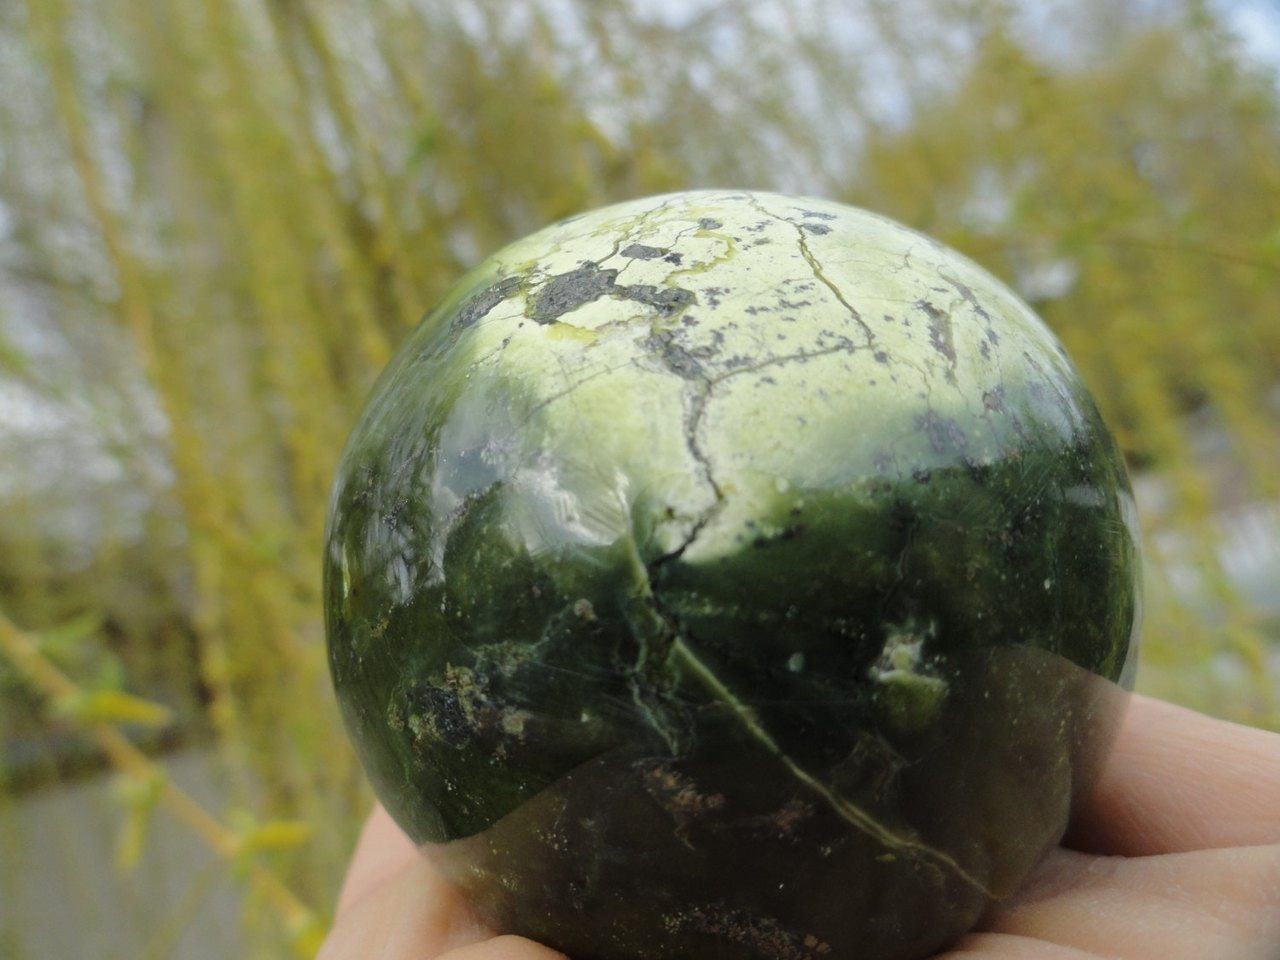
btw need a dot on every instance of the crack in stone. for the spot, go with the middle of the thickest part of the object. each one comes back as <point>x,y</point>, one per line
<point>560,394</point>
<point>818,272</point>
<point>675,645</point>
<point>848,811</point>
<point>686,365</point>
<point>653,630</point>
<point>798,356</point>
<point>830,285</point>
<point>724,256</point>
<point>971,298</point>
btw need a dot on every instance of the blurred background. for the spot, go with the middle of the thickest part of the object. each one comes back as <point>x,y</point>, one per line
<point>219,217</point>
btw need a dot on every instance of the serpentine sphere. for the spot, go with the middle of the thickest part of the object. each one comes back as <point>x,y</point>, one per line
<point>735,575</point>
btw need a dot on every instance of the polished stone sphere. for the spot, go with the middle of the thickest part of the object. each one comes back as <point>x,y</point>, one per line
<point>733,575</point>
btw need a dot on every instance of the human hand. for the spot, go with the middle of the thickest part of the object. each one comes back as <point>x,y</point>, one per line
<point>394,906</point>
<point>1174,856</point>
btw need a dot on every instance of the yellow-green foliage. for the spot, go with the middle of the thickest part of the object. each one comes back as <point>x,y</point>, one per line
<point>221,216</point>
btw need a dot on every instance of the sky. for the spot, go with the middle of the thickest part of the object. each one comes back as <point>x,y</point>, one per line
<point>1257,23</point>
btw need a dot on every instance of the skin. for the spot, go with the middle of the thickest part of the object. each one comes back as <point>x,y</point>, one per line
<point>1174,856</point>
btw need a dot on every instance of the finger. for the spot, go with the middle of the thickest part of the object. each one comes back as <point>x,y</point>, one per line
<point>504,948</point>
<point>1182,906</point>
<point>394,905</point>
<point>382,850</point>
<point>1177,781</point>
<point>410,914</point>
<point>1008,946</point>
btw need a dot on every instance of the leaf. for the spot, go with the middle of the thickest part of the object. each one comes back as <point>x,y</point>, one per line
<point>140,798</point>
<point>254,837</point>
<point>275,835</point>
<point>129,842</point>
<point>61,642</point>
<point>111,706</point>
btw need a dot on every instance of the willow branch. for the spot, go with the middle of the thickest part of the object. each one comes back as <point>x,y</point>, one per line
<point>46,679</point>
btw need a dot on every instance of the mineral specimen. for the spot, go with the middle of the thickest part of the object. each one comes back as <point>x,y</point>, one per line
<point>728,574</point>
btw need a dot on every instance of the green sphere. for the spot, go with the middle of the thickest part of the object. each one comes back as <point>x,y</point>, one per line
<point>728,574</point>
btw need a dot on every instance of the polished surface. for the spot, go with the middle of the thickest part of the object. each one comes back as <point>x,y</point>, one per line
<point>736,575</point>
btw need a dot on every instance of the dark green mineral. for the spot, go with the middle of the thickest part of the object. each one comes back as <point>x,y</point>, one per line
<point>731,575</point>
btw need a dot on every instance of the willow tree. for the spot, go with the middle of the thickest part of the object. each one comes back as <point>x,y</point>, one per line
<point>218,218</point>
